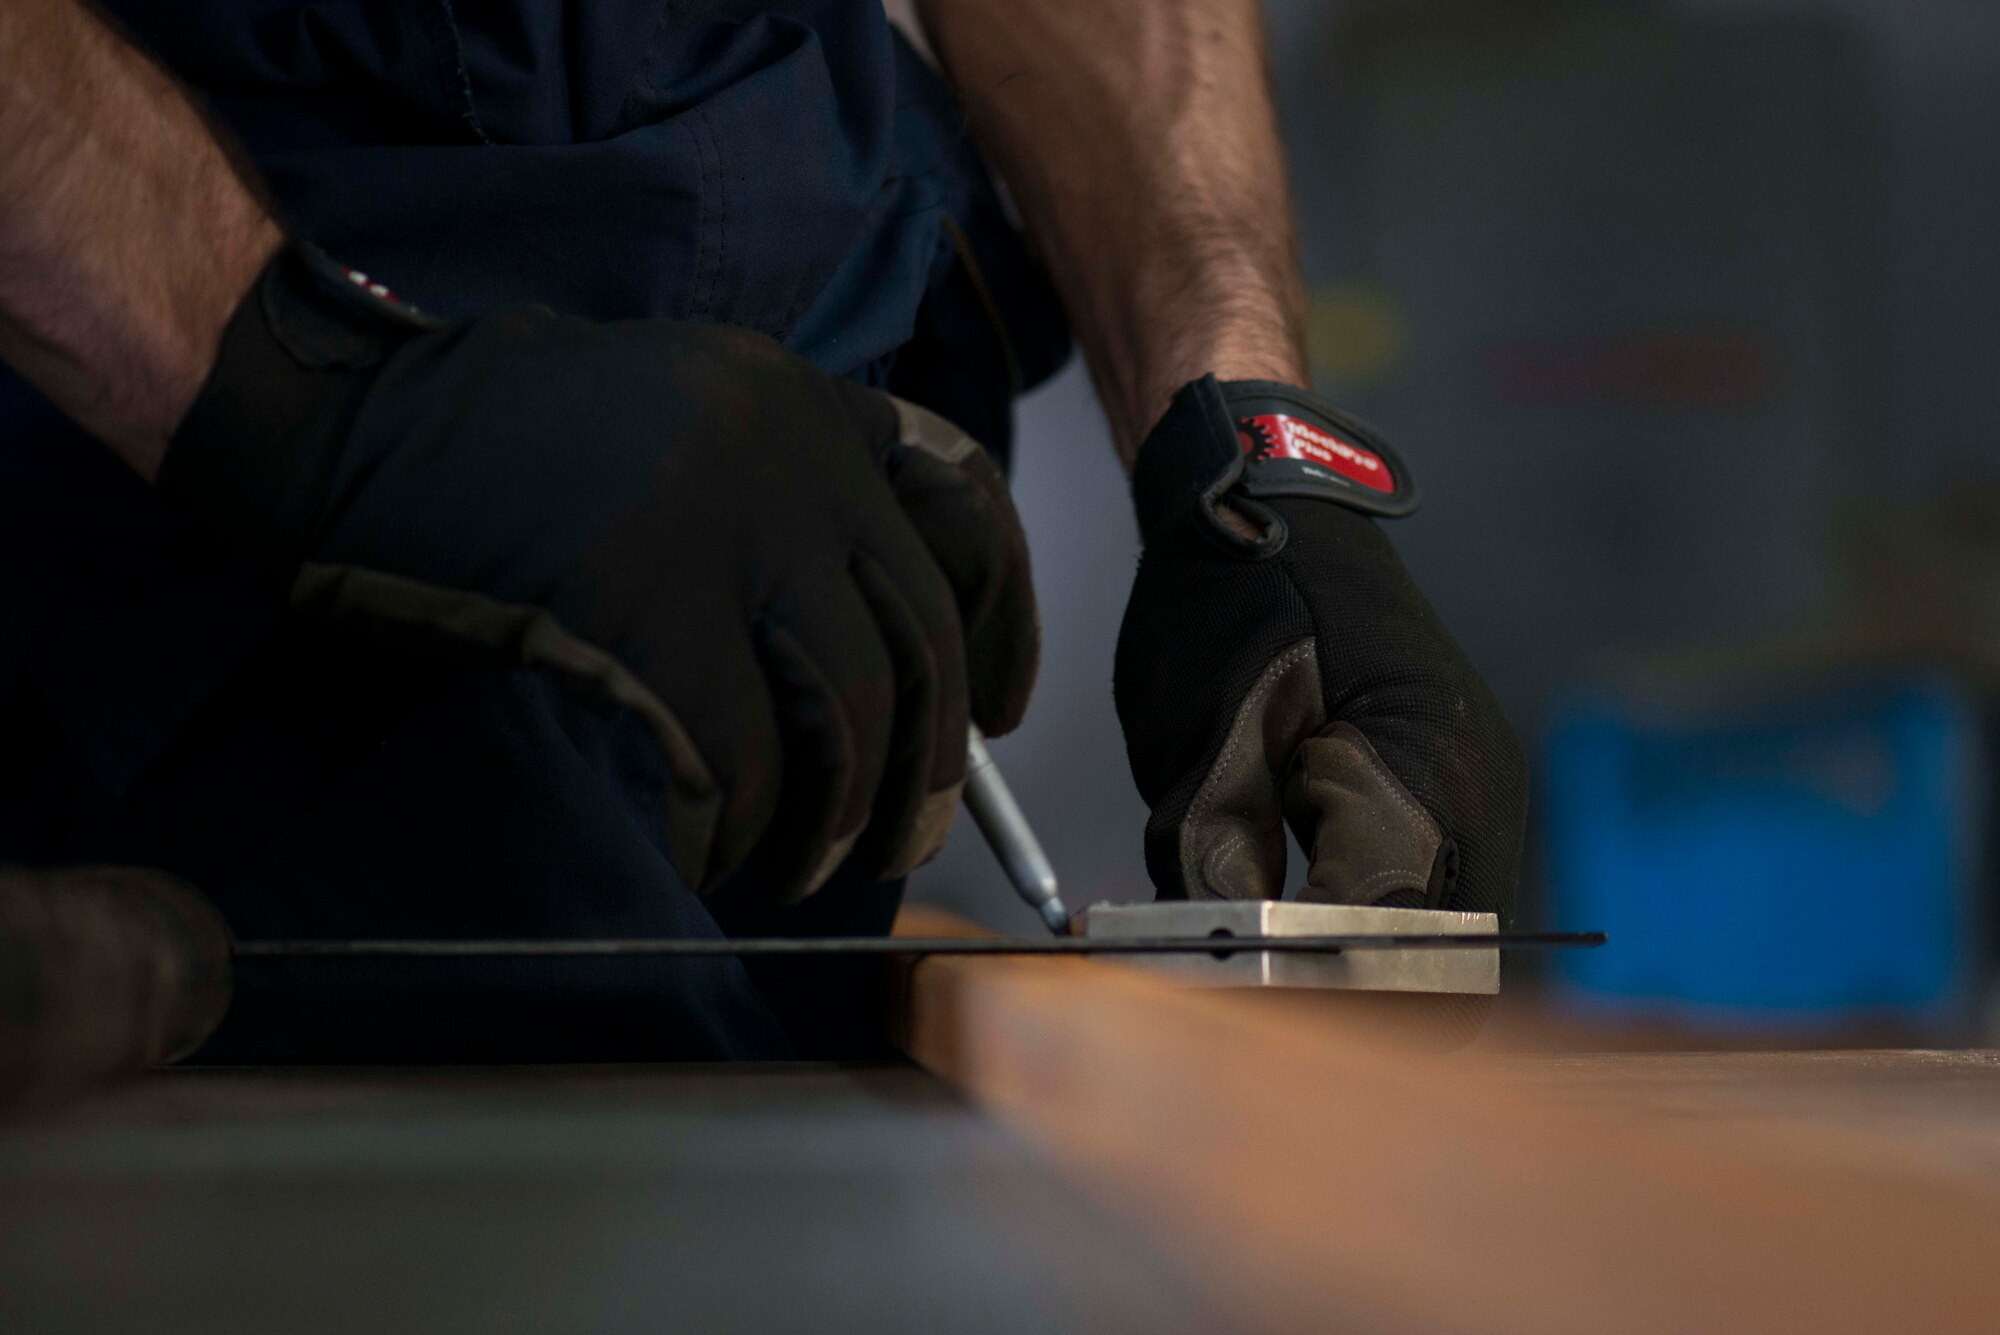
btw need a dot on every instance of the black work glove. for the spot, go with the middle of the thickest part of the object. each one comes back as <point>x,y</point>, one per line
<point>802,586</point>
<point>1299,677</point>
<point>107,971</point>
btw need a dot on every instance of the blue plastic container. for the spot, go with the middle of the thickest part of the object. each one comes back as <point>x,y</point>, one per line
<point>1808,864</point>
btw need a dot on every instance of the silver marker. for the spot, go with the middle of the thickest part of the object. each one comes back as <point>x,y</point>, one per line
<point>1007,832</point>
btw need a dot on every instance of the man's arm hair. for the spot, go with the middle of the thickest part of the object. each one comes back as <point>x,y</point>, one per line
<point>126,236</point>
<point>1139,141</point>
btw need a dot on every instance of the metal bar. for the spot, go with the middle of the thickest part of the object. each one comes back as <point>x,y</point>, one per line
<point>1220,946</point>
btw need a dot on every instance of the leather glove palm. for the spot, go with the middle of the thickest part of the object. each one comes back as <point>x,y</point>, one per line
<point>1301,678</point>
<point>803,587</point>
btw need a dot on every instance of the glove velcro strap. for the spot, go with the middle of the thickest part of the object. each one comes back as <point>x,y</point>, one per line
<point>250,459</point>
<point>1192,448</point>
<point>1253,440</point>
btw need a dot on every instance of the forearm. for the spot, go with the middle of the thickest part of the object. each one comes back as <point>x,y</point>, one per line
<point>1139,141</point>
<point>126,238</point>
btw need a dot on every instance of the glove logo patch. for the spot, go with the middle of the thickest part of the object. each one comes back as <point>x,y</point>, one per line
<point>374,289</point>
<point>1268,436</point>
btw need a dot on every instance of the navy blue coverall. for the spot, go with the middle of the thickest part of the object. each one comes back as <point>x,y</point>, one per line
<point>791,167</point>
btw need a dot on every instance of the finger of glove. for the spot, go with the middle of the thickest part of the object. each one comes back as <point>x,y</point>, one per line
<point>109,970</point>
<point>1229,841</point>
<point>1473,779</point>
<point>1416,697</point>
<point>1369,841</point>
<point>1198,639</point>
<point>958,502</point>
<point>833,688</point>
<point>717,760</point>
<point>925,769</point>
<point>726,765</point>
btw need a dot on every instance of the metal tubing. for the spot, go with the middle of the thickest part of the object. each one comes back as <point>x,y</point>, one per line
<point>915,945</point>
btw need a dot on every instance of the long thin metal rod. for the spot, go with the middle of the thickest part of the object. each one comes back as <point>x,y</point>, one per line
<point>912,945</point>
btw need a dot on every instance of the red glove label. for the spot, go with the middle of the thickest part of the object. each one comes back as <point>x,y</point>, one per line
<point>373,288</point>
<point>1280,436</point>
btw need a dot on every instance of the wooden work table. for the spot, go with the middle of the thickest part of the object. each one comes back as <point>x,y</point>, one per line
<point>1312,1172</point>
<point>1076,1146</point>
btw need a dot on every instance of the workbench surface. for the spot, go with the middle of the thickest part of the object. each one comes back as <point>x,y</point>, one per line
<point>719,1199</point>
<point>1928,1113</point>
<point>656,1200</point>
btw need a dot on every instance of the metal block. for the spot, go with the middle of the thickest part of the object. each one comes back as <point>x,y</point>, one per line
<point>1475,971</point>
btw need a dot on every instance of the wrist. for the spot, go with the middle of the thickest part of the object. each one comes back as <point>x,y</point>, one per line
<point>1260,353</point>
<point>126,237</point>
<point>182,344</point>
<point>253,454</point>
<point>1251,332</point>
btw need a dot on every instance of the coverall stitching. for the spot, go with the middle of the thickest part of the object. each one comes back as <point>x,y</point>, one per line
<point>702,254</point>
<point>684,308</point>
<point>723,208</point>
<point>451,52</point>
<point>707,258</point>
<point>642,78</point>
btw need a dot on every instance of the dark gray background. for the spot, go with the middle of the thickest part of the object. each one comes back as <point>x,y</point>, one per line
<point>1814,181</point>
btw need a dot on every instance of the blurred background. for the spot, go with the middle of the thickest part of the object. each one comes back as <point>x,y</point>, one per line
<point>1687,313</point>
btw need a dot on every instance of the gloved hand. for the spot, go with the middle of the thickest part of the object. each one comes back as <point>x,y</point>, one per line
<point>1298,676</point>
<point>800,585</point>
<point>107,971</point>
